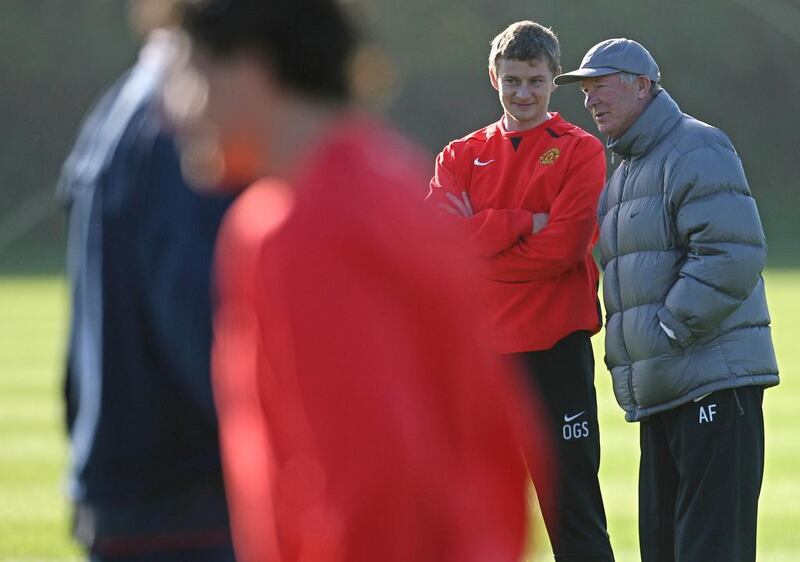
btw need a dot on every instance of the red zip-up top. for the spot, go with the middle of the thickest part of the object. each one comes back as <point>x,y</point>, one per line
<point>543,286</point>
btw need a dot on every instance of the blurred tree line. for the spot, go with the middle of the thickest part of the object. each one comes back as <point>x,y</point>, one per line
<point>727,62</point>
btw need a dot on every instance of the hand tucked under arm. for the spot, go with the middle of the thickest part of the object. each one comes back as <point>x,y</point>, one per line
<point>489,232</point>
<point>539,221</point>
<point>460,207</point>
<point>569,235</point>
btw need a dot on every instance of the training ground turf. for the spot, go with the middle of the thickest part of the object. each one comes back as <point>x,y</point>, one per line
<point>33,514</point>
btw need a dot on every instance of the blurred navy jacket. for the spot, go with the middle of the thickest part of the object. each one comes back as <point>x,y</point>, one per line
<point>145,468</point>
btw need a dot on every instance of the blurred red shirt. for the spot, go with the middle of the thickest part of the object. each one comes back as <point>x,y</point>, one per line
<point>360,418</point>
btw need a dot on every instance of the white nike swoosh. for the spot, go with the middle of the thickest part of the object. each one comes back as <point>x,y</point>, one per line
<point>568,419</point>
<point>477,162</point>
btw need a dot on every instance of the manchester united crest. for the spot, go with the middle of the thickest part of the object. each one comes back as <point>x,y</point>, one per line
<point>549,156</point>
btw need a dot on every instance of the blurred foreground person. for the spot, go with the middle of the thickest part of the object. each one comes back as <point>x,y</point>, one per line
<point>145,473</point>
<point>688,339</point>
<point>361,420</point>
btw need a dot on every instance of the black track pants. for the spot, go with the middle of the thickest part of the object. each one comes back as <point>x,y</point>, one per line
<point>700,477</point>
<point>563,379</point>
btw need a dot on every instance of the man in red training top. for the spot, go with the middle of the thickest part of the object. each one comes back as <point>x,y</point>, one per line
<point>355,427</point>
<point>525,190</point>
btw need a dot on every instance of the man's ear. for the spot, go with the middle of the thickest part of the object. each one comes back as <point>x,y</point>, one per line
<point>643,84</point>
<point>558,71</point>
<point>493,79</point>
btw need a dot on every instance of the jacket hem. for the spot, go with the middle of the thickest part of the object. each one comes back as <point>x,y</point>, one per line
<point>638,414</point>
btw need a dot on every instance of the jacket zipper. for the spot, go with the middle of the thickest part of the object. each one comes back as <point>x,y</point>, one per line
<point>625,168</point>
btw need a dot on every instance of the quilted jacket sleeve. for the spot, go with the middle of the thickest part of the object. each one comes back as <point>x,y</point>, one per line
<point>716,220</point>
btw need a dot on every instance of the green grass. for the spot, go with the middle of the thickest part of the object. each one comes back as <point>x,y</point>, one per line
<point>34,514</point>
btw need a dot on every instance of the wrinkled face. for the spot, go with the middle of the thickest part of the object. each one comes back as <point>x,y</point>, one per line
<point>525,88</point>
<point>614,104</point>
<point>221,107</point>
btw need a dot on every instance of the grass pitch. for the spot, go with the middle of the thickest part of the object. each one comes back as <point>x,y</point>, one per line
<point>34,514</point>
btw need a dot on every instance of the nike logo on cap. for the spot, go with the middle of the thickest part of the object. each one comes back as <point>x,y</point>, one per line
<point>568,418</point>
<point>478,162</point>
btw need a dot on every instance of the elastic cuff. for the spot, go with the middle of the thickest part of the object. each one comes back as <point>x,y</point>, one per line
<point>520,224</point>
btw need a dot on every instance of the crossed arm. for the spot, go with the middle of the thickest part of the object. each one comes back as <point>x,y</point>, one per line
<point>487,232</point>
<point>463,208</point>
<point>522,246</point>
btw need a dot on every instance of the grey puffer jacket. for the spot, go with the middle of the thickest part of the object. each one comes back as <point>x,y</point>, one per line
<point>681,244</point>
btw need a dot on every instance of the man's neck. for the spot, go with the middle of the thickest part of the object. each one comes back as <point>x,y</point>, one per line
<point>513,126</point>
<point>297,130</point>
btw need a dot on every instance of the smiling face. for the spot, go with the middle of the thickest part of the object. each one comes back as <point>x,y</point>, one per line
<point>615,104</point>
<point>525,88</point>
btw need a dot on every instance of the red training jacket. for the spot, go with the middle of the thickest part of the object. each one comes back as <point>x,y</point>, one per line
<point>361,420</point>
<point>541,287</point>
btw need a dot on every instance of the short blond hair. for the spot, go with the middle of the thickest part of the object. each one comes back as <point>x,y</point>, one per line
<point>526,40</point>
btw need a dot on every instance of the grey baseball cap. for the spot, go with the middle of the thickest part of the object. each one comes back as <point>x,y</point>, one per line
<point>611,56</point>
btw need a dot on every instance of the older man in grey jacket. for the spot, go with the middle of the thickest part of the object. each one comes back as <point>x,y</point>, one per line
<point>687,331</point>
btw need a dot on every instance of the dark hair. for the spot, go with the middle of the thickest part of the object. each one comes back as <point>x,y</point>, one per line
<point>307,42</point>
<point>526,40</point>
